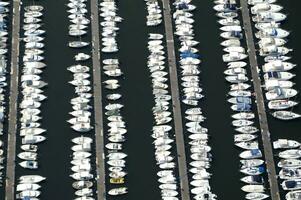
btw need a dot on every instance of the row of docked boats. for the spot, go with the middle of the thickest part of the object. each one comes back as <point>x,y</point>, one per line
<point>290,167</point>
<point>109,29</point>
<point>116,126</point>
<point>154,13</point>
<point>251,161</point>
<point>31,101</point>
<point>80,121</point>
<point>162,129</point>
<point>277,76</point>
<point>4,10</point>
<point>191,94</point>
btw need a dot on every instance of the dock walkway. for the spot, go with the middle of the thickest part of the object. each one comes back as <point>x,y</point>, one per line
<point>182,164</point>
<point>268,150</point>
<point>97,91</point>
<point>13,99</point>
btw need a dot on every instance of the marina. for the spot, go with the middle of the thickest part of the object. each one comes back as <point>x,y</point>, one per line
<point>135,100</point>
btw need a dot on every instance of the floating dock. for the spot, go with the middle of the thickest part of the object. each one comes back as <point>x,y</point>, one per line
<point>182,162</point>
<point>268,150</point>
<point>13,99</point>
<point>98,112</point>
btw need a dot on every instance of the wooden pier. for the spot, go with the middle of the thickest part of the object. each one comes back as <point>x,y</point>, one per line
<point>182,164</point>
<point>13,99</point>
<point>98,113</point>
<point>268,150</point>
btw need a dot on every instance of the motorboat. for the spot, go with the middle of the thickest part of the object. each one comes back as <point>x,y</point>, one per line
<point>251,162</point>
<point>247,129</point>
<point>251,154</point>
<point>244,115</point>
<point>253,170</point>
<point>285,144</point>
<point>234,56</point>
<point>280,93</point>
<point>31,179</point>
<point>285,115</point>
<point>118,191</point>
<point>289,163</point>
<point>292,173</point>
<point>256,195</point>
<point>244,137</point>
<point>290,154</point>
<point>281,104</point>
<point>277,66</point>
<point>253,188</point>
<point>248,145</point>
<point>293,195</point>
<point>291,184</point>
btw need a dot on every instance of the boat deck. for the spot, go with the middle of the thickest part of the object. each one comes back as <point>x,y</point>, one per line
<point>176,101</point>
<point>268,151</point>
<point>98,114</point>
<point>13,99</point>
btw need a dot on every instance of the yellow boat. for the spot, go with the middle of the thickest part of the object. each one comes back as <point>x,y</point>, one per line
<point>116,180</point>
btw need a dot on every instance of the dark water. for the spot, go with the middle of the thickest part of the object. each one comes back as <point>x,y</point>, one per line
<point>137,98</point>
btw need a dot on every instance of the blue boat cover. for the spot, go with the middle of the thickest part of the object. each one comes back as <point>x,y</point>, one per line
<point>243,107</point>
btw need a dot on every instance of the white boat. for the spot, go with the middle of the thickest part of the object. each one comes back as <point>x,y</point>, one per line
<point>281,104</point>
<point>241,122</point>
<point>290,154</point>
<point>28,193</point>
<point>235,71</point>
<point>238,78</point>
<point>33,139</point>
<point>292,173</point>
<point>280,93</point>
<point>289,163</point>
<point>291,184</point>
<point>234,56</point>
<point>253,188</point>
<point>118,191</point>
<point>243,115</point>
<point>237,64</point>
<point>29,164</point>
<point>251,162</point>
<point>31,179</point>
<point>277,66</point>
<point>27,186</point>
<point>272,32</point>
<point>256,196</point>
<point>82,140</point>
<point>237,49</point>
<point>269,17</point>
<point>247,145</point>
<point>231,42</point>
<point>80,176</point>
<point>250,154</point>
<point>285,115</point>
<point>293,195</point>
<point>274,83</point>
<point>285,144</point>
<point>247,129</point>
<point>244,137</point>
<point>263,7</point>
